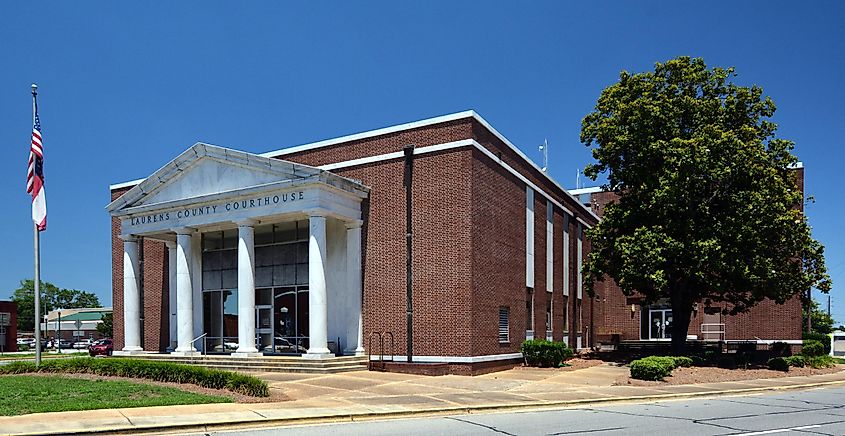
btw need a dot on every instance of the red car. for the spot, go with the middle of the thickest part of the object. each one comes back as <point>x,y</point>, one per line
<point>102,347</point>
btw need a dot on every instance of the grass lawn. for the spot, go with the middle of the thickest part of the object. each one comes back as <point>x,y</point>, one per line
<point>22,394</point>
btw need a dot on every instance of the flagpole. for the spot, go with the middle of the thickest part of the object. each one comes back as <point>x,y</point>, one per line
<point>37,240</point>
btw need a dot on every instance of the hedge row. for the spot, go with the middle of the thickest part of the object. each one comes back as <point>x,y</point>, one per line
<point>150,370</point>
<point>543,353</point>
<point>812,355</point>
<point>657,367</point>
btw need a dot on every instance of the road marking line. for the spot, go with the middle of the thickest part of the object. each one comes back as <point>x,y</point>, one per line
<point>780,430</point>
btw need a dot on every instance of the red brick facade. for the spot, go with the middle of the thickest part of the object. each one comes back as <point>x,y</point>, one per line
<point>10,331</point>
<point>613,314</point>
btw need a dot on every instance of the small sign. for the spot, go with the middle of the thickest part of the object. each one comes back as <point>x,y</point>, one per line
<point>78,334</point>
<point>77,324</point>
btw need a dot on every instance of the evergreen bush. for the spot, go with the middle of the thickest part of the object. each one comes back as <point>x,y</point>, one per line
<point>797,361</point>
<point>543,353</point>
<point>778,364</point>
<point>652,368</point>
<point>158,371</point>
<point>812,348</point>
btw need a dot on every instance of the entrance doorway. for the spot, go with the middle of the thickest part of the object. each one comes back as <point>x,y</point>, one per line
<point>660,324</point>
<point>282,320</point>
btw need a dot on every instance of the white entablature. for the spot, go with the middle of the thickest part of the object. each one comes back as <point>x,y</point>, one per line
<point>208,184</point>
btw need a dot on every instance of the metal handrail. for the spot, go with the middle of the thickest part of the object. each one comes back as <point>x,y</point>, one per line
<point>202,336</point>
<point>720,332</point>
<point>370,350</point>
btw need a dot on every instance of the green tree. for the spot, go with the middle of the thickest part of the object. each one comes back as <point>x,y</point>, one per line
<point>51,298</point>
<point>820,321</point>
<point>106,328</point>
<point>708,206</point>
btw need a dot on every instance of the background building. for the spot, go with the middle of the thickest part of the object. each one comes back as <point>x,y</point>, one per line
<point>64,323</point>
<point>8,326</point>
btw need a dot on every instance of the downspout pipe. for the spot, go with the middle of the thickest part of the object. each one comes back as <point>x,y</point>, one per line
<point>409,237</point>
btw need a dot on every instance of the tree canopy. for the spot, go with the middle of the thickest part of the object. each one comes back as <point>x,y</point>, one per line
<point>51,298</point>
<point>708,207</point>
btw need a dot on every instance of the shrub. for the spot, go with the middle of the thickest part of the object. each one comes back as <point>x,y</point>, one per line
<point>781,349</point>
<point>821,337</point>
<point>778,364</point>
<point>823,361</point>
<point>682,362</point>
<point>812,348</point>
<point>23,347</point>
<point>797,361</point>
<point>158,371</point>
<point>698,361</point>
<point>652,368</point>
<point>543,353</point>
<point>727,361</point>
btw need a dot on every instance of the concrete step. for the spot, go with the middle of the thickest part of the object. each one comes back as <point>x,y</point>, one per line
<point>293,364</point>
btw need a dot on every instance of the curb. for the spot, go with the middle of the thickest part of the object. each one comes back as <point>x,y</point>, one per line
<point>456,410</point>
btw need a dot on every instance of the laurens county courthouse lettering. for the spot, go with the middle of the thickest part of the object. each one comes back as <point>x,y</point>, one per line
<point>302,251</point>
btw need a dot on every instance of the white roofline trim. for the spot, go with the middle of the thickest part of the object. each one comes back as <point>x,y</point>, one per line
<point>590,190</point>
<point>126,184</point>
<point>397,155</point>
<point>371,133</point>
<point>413,125</point>
<point>584,223</point>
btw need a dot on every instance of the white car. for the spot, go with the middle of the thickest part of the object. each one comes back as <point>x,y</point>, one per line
<point>83,344</point>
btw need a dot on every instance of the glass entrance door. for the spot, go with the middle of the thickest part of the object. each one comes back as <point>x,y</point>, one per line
<point>264,327</point>
<point>290,310</point>
<point>660,324</point>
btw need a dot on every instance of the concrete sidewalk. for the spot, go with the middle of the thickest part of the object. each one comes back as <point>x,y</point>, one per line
<point>371,395</point>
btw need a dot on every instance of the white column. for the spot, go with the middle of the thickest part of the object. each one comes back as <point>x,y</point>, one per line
<point>318,309</point>
<point>131,296</point>
<point>355,336</point>
<point>246,290</point>
<point>184,293</point>
<point>171,283</point>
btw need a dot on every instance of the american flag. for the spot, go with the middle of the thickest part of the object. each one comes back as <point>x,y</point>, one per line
<point>35,177</point>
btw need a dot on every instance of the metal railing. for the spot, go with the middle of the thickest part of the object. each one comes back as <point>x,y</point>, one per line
<point>382,361</point>
<point>203,337</point>
<point>707,332</point>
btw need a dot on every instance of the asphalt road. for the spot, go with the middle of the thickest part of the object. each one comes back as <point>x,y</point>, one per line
<point>814,412</point>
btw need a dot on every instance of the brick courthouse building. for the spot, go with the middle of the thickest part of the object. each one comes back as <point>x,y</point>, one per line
<point>302,250</point>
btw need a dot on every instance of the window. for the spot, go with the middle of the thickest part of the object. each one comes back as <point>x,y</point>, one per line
<point>565,314</point>
<point>577,316</point>
<point>549,315</point>
<point>529,309</point>
<point>550,243</point>
<point>504,325</point>
<point>529,237</point>
<point>580,260</point>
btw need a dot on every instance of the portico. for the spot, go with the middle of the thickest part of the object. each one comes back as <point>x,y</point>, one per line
<point>264,255</point>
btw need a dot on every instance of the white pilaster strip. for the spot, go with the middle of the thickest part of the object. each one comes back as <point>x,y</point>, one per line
<point>171,285</point>
<point>354,338</point>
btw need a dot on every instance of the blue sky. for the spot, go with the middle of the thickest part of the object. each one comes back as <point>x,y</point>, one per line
<point>124,88</point>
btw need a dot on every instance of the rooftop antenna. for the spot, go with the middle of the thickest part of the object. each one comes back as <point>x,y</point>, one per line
<point>578,179</point>
<point>544,147</point>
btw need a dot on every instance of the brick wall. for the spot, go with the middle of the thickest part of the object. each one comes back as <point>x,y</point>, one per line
<point>11,308</point>
<point>768,320</point>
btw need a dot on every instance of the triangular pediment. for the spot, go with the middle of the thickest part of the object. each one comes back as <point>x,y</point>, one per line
<point>205,170</point>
